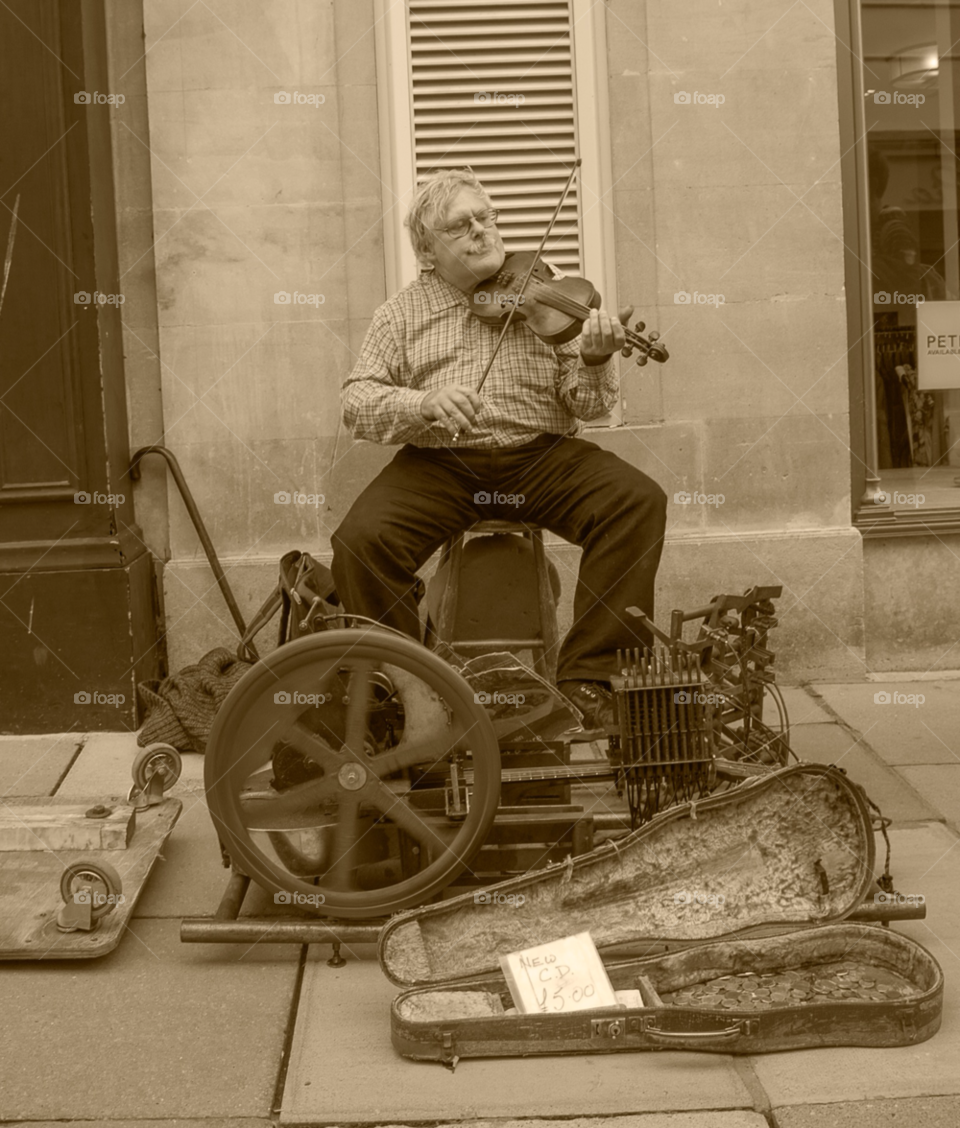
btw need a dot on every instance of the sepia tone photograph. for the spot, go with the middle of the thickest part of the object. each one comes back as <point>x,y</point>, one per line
<point>479,543</point>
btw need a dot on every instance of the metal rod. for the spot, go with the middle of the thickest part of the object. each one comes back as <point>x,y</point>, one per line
<point>233,895</point>
<point>219,574</point>
<point>876,911</point>
<point>252,930</point>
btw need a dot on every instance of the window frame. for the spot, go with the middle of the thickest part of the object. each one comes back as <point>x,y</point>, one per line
<point>395,108</point>
<point>871,518</point>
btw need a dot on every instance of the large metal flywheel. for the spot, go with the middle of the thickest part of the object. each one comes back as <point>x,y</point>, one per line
<point>336,773</point>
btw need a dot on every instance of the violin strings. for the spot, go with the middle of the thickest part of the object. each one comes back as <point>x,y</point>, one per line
<point>576,309</point>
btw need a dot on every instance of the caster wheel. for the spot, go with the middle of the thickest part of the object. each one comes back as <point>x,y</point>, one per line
<point>94,880</point>
<point>331,767</point>
<point>156,759</point>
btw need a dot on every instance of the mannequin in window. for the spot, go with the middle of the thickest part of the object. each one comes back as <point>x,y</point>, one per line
<point>904,415</point>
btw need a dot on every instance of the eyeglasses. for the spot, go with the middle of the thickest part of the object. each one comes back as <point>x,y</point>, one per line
<point>487,218</point>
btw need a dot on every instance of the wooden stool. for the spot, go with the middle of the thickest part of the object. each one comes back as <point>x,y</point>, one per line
<point>442,622</point>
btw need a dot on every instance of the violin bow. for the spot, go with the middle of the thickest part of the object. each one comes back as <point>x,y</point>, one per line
<point>514,306</point>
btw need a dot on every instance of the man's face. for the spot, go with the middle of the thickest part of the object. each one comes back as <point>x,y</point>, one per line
<point>465,260</point>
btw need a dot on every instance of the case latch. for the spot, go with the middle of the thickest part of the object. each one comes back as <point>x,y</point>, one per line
<point>447,1054</point>
<point>606,1027</point>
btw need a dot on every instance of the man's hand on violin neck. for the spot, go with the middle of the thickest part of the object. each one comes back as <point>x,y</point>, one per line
<point>455,406</point>
<point>603,335</point>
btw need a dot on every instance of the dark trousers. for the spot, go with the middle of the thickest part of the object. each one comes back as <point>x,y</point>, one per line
<point>584,494</point>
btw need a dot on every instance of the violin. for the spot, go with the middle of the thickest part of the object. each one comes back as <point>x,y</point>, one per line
<point>554,308</point>
<point>559,313</point>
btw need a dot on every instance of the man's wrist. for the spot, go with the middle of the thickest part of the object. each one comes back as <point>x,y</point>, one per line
<point>594,361</point>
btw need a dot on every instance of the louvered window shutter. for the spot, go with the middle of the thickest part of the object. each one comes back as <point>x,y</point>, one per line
<point>493,87</point>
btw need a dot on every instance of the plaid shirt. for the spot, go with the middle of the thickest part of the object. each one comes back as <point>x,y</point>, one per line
<point>425,337</point>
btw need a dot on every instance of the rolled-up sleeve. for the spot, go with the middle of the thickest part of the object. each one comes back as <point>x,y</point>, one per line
<point>587,391</point>
<point>373,401</point>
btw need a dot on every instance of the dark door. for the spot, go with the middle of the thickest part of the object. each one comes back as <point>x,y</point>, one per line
<point>75,578</point>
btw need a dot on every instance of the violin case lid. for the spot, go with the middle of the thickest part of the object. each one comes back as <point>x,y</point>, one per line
<point>791,850</point>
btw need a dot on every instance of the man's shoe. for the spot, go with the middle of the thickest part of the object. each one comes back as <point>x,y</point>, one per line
<point>593,699</point>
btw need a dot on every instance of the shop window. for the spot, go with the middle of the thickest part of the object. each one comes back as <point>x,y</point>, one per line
<point>910,105</point>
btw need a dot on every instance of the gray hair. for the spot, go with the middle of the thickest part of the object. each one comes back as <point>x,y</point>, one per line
<point>432,198</point>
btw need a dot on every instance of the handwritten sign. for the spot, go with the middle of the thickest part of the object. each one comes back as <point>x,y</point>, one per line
<point>559,977</point>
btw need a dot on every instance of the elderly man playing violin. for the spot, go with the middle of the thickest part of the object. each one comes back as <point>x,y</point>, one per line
<point>415,384</point>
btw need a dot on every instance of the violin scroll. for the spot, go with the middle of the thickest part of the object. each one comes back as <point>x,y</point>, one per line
<point>647,346</point>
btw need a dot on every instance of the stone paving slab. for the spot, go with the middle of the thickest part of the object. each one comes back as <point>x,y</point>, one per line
<point>104,766</point>
<point>832,744</point>
<point>915,1112</point>
<point>939,784</point>
<point>188,878</point>
<point>243,1122</point>
<point>33,765</point>
<point>343,1069</point>
<point>155,1027</point>
<point>902,733</point>
<point>802,707</point>
<point>926,859</point>
<point>712,1119</point>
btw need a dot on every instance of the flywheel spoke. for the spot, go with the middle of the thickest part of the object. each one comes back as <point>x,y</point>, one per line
<point>358,706</point>
<point>340,874</point>
<point>427,753</point>
<point>261,809</point>
<point>417,825</point>
<point>312,746</point>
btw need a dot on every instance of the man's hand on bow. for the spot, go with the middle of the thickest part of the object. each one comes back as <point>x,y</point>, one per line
<point>455,406</point>
<point>603,335</point>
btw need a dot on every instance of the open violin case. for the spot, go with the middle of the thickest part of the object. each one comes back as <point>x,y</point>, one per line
<point>745,887</point>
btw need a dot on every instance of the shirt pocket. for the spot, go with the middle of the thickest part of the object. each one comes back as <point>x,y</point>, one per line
<point>436,354</point>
